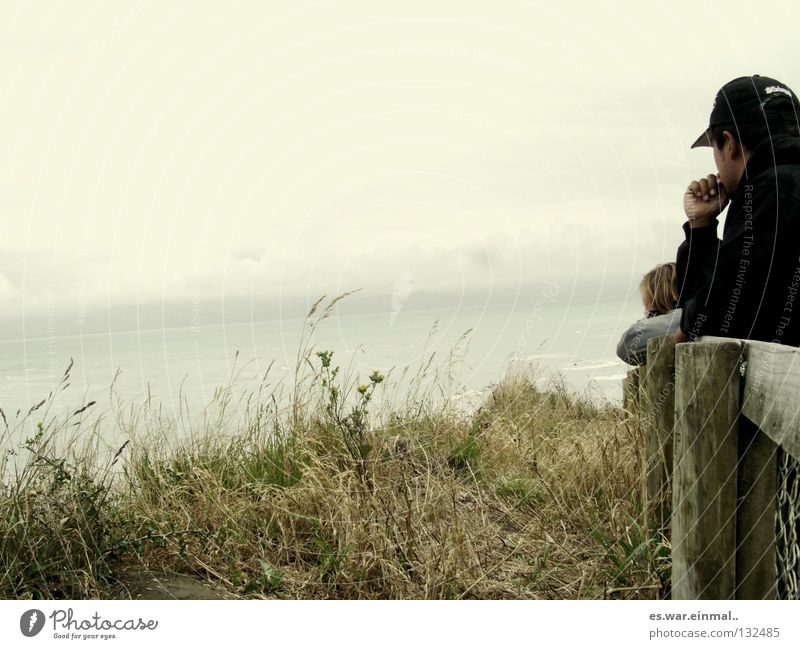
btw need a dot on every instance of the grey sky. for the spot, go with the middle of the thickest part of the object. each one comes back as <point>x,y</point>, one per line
<point>174,151</point>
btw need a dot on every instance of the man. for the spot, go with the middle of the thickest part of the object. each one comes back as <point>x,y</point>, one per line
<point>748,284</point>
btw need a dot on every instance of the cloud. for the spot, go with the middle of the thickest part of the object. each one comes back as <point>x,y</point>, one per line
<point>253,254</point>
<point>8,291</point>
<point>289,153</point>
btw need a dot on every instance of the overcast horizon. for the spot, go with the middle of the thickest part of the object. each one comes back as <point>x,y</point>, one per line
<point>432,154</point>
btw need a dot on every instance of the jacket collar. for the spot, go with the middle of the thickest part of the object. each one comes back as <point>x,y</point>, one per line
<point>772,152</point>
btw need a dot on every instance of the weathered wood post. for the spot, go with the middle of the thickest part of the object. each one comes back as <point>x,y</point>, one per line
<point>755,515</point>
<point>658,388</point>
<point>705,470</point>
<point>630,391</point>
<point>772,383</point>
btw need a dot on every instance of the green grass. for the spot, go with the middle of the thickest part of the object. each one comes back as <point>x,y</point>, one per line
<point>534,495</point>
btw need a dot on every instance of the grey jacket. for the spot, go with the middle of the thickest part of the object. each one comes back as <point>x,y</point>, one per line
<point>632,347</point>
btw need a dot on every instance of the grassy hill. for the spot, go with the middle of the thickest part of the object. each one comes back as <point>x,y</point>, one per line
<point>537,494</point>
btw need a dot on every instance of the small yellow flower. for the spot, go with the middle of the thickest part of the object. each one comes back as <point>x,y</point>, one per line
<point>362,389</point>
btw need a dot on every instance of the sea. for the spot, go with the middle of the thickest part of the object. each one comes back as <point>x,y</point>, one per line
<point>454,355</point>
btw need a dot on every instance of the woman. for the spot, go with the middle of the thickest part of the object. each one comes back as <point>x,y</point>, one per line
<point>660,298</point>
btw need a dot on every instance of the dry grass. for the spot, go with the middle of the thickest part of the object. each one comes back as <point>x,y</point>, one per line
<point>536,495</point>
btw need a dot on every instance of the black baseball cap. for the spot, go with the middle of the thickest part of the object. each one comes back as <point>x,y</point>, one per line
<point>748,100</point>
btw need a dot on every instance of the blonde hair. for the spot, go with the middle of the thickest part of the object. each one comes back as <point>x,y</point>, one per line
<point>659,285</point>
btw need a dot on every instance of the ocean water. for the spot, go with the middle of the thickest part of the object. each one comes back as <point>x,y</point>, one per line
<point>465,351</point>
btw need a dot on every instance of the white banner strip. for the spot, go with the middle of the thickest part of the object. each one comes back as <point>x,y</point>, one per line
<point>404,624</point>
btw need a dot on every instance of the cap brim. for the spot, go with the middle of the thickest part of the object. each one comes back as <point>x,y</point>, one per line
<point>703,140</point>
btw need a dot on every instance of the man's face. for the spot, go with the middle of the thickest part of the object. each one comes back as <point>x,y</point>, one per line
<point>729,164</point>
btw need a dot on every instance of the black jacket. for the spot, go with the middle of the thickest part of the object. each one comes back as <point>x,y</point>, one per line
<point>748,284</point>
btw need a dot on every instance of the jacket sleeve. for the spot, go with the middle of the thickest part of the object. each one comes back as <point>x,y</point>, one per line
<point>632,347</point>
<point>694,264</point>
<point>724,285</point>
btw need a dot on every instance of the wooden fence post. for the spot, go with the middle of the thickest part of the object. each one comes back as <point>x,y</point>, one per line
<point>755,515</point>
<point>658,390</point>
<point>630,390</point>
<point>705,470</point>
<point>771,384</point>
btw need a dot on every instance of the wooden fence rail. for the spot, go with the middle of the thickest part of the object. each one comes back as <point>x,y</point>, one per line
<point>715,412</point>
